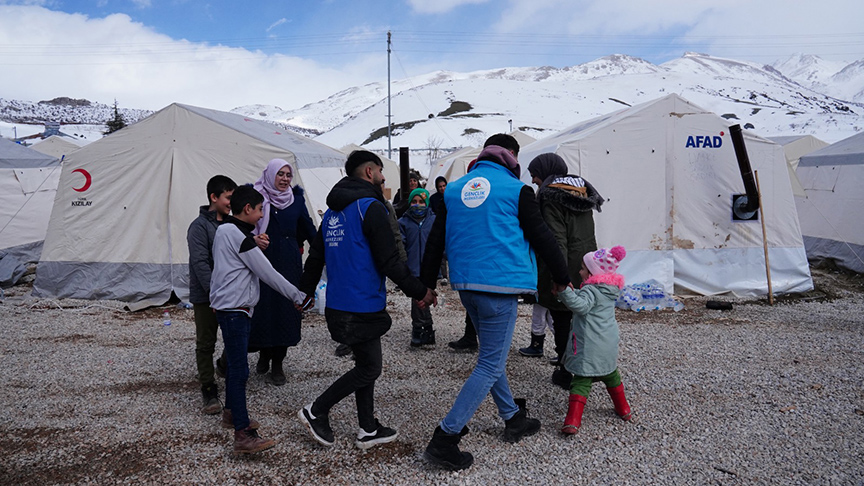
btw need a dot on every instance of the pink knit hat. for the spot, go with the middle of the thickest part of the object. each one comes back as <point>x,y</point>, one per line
<point>604,261</point>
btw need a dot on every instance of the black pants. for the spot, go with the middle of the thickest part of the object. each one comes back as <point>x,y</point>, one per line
<point>359,380</point>
<point>276,355</point>
<point>561,324</point>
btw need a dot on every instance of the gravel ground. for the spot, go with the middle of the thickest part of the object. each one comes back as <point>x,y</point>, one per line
<point>757,395</point>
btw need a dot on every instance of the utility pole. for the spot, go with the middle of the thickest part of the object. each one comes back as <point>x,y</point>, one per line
<point>511,125</point>
<point>389,116</point>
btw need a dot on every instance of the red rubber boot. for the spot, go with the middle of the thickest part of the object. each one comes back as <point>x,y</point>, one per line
<point>574,414</point>
<point>622,408</point>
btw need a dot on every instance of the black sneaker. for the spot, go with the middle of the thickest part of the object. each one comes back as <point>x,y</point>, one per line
<point>422,337</point>
<point>319,427</point>
<point>382,435</point>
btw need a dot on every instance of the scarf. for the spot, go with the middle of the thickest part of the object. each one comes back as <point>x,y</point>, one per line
<point>266,186</point>
<point>547,167</point>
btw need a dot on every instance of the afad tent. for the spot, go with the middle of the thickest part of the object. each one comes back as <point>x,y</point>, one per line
<point>668,171</point>
<point>28,183</point>
<point>57,146</point>
<point>795,147</point>
<point>124,203</point>
<point>832,212</point>
<point>391,169</point>
<point>454,165</point>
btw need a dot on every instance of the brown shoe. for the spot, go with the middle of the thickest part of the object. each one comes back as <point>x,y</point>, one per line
<point>247,441</point>
<point>228,420</point>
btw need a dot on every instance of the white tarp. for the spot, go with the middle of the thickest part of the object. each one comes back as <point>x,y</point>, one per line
<point>391,168</point>
<point>668,171</point>
<point>794,147</point>
<point>454,165</point>
<point>832,211</point>
<point>28,182</point>
<point>124,203</point>
<point>57,146</point>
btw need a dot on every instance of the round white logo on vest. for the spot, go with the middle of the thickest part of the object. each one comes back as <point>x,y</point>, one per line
<point>475,191</point>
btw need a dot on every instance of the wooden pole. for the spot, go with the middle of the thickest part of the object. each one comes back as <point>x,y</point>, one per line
<point>764,239</point>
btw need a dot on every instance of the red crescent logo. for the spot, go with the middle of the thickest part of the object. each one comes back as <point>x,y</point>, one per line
<point>87,180</point>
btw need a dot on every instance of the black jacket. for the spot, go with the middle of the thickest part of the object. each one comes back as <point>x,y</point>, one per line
<point>376,228</point>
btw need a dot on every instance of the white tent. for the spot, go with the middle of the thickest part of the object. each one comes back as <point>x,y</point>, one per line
<point>832,212</point>
<point>795,147</point>
<point>391,168</point>
<point>522,137</point>
<point>454,165</point>
<point>57,146</point>
<point>668,171</point>
<point>124,203</point>
<point>28,182</point>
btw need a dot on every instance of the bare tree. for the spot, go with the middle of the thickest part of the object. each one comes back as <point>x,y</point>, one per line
<point>433,146</point>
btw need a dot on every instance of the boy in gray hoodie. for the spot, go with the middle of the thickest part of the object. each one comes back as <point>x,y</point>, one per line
<point>238,263</point>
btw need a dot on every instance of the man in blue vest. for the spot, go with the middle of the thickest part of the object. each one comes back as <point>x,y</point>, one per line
<point>491,225</point>
<point>355,241</point>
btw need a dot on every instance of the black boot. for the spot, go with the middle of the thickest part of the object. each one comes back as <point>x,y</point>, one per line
<point>469,340</point>
<point>519,425</point>
<point>422,336</point>
<point>562,377</point>
<point>535,349</point>
<point>443,450</point>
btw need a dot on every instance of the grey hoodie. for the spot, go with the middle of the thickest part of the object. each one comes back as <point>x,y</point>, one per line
<point>238,263</point>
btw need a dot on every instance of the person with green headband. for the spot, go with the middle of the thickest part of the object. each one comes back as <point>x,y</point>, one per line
<point>415,226</point>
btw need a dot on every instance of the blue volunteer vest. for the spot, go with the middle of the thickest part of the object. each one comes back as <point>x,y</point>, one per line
<point>486,248</point>
<point>354,284</point>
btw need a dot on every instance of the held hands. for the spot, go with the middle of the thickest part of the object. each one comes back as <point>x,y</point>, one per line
<point>558,287</point>
<point>431,298</point>
<point>262,240</point>
<point>307,304</point>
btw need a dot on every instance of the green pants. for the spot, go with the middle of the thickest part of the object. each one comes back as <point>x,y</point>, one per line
<point>581,385</point>
<point>206,330</point>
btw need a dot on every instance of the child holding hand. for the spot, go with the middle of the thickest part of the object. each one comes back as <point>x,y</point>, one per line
<point>592,348</point>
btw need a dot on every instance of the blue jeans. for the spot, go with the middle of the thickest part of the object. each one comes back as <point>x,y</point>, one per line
<point>235,328</point>
<point>494,317</point>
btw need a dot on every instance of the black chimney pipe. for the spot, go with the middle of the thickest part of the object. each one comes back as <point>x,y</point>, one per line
<point>744,167</point>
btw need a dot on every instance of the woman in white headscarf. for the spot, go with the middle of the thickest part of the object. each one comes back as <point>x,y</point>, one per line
<point>286,222</point>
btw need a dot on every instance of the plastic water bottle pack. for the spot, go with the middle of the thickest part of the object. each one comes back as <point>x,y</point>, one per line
<point>646,296</point>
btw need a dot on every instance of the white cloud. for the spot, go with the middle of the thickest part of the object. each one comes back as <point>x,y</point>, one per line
<point>277,24</point>
<point>101,59</point>
<point>142,3</point>
<point>767,29</point>
<point>440,6</point>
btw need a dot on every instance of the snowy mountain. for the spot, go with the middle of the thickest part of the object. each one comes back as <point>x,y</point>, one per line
<point>837,79</point>
<point>445,110</point>
<point>448,110</point>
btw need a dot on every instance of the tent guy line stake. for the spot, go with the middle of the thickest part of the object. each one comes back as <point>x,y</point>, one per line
<point>764,238</point>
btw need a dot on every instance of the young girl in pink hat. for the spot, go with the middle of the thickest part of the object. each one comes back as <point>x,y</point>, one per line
<point>592,349</point>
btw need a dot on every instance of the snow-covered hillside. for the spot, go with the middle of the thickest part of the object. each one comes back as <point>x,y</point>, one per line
<point>445,110</point>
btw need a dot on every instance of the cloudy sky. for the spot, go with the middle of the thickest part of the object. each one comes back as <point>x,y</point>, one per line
<point>223,54</point>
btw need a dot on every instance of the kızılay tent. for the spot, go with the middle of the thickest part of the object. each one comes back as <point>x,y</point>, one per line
<point>832,211</point>
<point>125,202</point>
<point>668,171</point>
<point>28,183</point>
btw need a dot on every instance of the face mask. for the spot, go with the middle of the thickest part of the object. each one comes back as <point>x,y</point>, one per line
<point>418,212</point>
